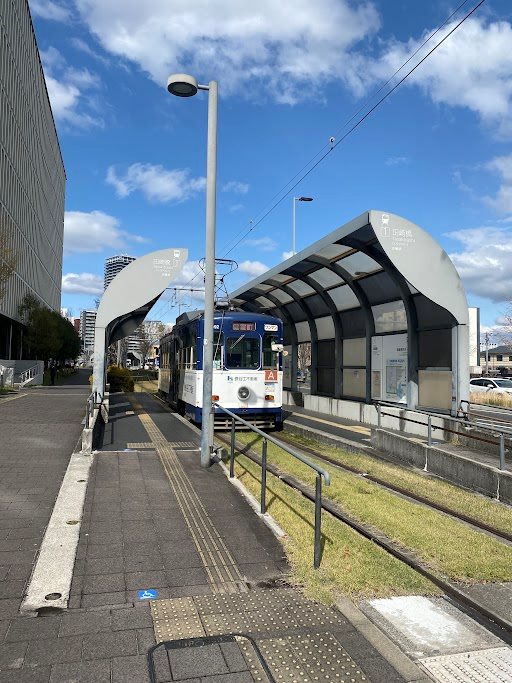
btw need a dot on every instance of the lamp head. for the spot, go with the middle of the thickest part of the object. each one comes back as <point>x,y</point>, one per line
<point>305,199</point>
<point>182,85</point>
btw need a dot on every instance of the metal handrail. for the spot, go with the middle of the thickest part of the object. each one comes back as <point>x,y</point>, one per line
<point>28,374</point>
<point>89,407</point>
<point>320,472</point>
<point>499,433</point>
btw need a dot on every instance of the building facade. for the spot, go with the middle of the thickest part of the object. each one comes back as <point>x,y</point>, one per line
<point>113,266</point>
<point>497,361</point>
<point>32,179</point>
<point>87,323</point>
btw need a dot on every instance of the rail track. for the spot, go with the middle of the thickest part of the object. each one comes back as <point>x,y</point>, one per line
<point>499,533</point>
<point>448,587</point>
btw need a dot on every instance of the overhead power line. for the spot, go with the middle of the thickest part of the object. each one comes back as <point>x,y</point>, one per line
<point>326,150</point>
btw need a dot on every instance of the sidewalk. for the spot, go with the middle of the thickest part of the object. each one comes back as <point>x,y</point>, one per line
<point>156,524</point>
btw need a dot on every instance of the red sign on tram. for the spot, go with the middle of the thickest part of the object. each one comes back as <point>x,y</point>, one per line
<point>270,375</point>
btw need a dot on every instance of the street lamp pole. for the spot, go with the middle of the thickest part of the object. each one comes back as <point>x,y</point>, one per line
<point>297,199</point>
<point>184,85</point>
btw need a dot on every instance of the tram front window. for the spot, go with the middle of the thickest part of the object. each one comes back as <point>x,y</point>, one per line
<point>243,352</point>
<point>270,358</point>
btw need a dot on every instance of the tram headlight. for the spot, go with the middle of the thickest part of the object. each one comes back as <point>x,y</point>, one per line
<point>243,393</point>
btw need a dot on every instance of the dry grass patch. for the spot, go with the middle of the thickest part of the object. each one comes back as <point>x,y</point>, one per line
<point>448,546</point>
<point>351,565</point>
<point>492,512</point>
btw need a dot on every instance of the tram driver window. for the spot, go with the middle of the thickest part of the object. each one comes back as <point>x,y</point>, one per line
<point>218,343</point>
<point>270,358</point>
<point>243,352</point>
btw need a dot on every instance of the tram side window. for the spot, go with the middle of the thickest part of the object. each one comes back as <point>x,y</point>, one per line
<point>270,358</point>
<point>218,343</point>
<point>243,352</point>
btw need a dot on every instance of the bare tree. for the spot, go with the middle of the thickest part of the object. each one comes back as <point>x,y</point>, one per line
<point>149,333</point>
<point>304,356</point>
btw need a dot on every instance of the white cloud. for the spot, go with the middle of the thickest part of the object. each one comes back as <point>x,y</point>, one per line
<point>472,69</point>
<point>502,201</point>
<point>485,261</point>
<point>82,283</point>
<point>397,161</point>
<point>155,182</point>
<point>236,187</point>
<point>70,91</point>
<point>46,9</point>
<point>93,232</point>
<point>286,52</point>
<point>252,268</point>
<point>287,254</point>
<point>262,243</point>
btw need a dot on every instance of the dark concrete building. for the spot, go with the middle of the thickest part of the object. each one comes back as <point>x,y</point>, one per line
<point>32,179</point>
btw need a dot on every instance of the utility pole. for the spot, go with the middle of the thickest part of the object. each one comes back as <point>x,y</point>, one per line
<point>487,353</point>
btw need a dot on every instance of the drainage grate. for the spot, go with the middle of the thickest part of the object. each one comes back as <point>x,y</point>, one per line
<point>491,666</point>
<point>173,659</point>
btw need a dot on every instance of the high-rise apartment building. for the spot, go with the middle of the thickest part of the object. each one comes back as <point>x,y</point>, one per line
<point>32,179</point>
<point>115,265</point>
<point>87,323</point>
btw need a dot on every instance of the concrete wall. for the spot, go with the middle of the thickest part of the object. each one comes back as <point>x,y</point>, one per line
<point>454,468</point>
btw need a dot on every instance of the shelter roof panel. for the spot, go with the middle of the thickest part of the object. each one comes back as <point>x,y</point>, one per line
<point>281,296</point>
<point>333,251</point>
<point>265,303</point>
<point>301,288</point>
<point>316,306</point>
<point>303,332</point>
<point>326,277</point>
<point>325,327</point>
<point>359,264</point>
<point>379,288</point>
<point>297,313</point>
<point>343,297</point>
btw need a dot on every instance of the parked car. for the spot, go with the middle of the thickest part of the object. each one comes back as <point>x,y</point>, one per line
<point>491,384</point>
<point>301,375</point>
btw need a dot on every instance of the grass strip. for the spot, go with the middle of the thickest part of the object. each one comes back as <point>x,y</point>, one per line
<point>351,565</point>
<point>492,512</point>
<point>448,546</point>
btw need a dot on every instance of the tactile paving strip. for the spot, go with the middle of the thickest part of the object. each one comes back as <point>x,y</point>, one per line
<point>176,619</point>
<point>316,658</point>
<point>482,666</point>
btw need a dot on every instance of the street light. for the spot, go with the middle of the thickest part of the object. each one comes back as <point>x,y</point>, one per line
<point>297,199</point>
<point>183,85</point>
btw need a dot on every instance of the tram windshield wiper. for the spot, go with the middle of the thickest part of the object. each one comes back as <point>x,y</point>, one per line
<point>238,340</point>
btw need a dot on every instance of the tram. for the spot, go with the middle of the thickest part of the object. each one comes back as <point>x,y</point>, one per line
<point>247,367</point>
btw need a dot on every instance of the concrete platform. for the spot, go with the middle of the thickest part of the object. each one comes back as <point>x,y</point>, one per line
<point>167,551</point>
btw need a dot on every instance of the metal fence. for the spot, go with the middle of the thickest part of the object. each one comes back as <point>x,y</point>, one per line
<point>465,425</point>
<point>320,472</point>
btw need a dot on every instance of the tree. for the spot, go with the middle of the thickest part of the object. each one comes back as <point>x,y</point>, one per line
<point>8,260</point>
<point>304,355</point>
<point>48,334</point>
<point>149,333</point>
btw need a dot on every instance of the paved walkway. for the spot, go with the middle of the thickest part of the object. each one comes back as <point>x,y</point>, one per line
<point>155,524</point>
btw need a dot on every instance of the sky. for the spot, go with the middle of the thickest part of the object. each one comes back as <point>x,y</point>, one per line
<point>291,75</point>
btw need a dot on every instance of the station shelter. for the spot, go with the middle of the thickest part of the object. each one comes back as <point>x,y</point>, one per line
<point>384,310</point>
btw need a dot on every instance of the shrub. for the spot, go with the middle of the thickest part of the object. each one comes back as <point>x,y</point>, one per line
<point>120,379</point>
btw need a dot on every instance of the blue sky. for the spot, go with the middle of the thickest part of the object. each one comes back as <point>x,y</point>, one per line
<point>290,75</point>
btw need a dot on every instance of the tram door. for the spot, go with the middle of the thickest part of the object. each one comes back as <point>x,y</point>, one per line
<point>174,382</point>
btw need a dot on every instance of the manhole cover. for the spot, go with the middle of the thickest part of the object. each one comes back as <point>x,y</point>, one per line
<point>491,666</point>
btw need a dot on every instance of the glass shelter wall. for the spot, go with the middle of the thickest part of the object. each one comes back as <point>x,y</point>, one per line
<point>384,311</point>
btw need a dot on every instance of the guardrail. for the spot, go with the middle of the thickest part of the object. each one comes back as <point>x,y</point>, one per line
<point>28,375</point>
<point>89,407</point>
<point>320,472</point>
<point>465,422</point>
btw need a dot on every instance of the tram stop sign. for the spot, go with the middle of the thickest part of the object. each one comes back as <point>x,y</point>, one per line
<point>129,298</point>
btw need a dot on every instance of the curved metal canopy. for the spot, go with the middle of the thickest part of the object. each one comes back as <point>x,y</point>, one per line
<point>378,274</point>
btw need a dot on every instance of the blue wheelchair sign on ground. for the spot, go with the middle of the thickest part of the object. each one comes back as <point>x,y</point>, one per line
<point>148,594</point>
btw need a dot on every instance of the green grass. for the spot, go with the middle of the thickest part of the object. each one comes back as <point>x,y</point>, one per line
<point>448,546</point>
<point>474,505</point>
<point>351,565</point>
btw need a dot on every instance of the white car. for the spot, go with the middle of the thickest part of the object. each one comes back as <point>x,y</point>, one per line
<point>488,384</point>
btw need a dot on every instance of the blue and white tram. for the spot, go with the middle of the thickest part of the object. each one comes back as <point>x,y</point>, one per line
<point>247,375</point>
